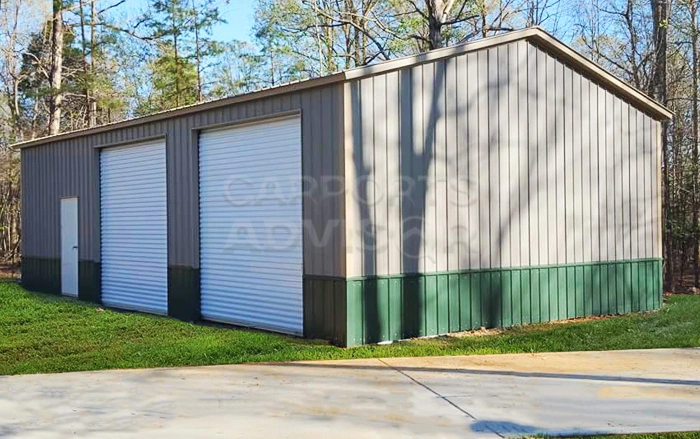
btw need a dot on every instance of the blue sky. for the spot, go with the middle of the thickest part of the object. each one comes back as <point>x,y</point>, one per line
<point>237,13</point>
<point>239,17</point>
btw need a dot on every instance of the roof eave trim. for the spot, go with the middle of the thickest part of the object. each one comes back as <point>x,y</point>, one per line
<point>182,111</point>
<point>438,54</point>
<point>554,46</point>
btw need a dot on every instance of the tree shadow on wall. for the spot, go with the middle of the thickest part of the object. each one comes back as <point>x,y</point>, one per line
<point>536,219</point>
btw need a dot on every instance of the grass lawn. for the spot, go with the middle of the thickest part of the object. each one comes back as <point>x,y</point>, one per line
<point>45,333</point>
<point>689,435</point>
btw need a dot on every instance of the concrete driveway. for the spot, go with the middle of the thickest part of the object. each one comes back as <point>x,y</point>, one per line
<point>461,397</point>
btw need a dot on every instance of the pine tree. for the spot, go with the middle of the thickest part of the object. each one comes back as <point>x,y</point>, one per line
<point>174,81</point>
<point>182,32</point>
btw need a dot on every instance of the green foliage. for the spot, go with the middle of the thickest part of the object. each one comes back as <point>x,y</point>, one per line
<point>184,49</point>
<point>174,82</point>
<point>286,54</point>
<point>44,333</point>
<point>679,435</point>
<point>34,90</point>
<point>239,70</point>
<point>168,19</point>
<point>412,27</point>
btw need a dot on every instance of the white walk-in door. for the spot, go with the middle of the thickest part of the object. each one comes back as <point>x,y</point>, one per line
<point>69,246</point>
<point>134,227</point>
<point>251,225</point>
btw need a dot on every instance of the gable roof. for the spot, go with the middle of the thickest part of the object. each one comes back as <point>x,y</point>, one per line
<point>535,35</point>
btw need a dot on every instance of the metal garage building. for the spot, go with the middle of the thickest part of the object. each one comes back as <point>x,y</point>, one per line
<point>498,182</point>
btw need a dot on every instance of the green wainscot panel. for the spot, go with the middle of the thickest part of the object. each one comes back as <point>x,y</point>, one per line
<point>383,308</point>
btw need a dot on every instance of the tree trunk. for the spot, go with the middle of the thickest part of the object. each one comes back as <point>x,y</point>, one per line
<point>349,14</point>
<point>198,55</point>
<point>319,43</point>
<point>660,22</point>
<point>12,87</point>
<point>86,69</point>
<point>358,50</point>
<point>438,11</point>
<point>56,75</point>
<point>93,98</point>
<point>330,40</point>
<point>696,250</point>
<point>175,31</point>
<point>676,206</point>
<point>628,16</point>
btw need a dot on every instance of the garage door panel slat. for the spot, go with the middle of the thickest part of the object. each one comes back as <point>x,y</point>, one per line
<point>254,278</point>
<point>215,265</point>
<point>269,304</point>
<point>263,283</point>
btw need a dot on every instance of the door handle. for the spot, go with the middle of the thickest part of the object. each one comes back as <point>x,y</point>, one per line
<point>75,247</point>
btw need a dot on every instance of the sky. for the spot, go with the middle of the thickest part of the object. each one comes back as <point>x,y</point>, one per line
<point>238,14</point>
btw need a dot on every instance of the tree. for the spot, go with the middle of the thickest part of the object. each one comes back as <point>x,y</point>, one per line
<point>543,13</point>
<point>692,6</point>
<point>17,25</point>
<point>287,53</point>
<point>240,69</point>
<point>204,17</point>
<point>167,69</point>
<point>619,35</point>
<point>88,47</point>
<point>9,205</point>
<point>182,31</point>
<point>440,14</point>
<point>110,52</point>
<point>56,67</point>
<point>37,90</point>
<point>169,21</point>
<point>659,88</point>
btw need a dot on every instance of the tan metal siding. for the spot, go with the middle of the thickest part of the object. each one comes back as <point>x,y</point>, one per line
<point>440,165</point>
<point>538,159</point>
<point>500,230</point>
<point>508,158</point>
<point>484,137</point>
<point>614,177</point>
<point>71,168</point>
<point>393,155</point>
<point>655,191</point>
<point>593,205</point>
<point>521,166</point>
<point>469,188</point>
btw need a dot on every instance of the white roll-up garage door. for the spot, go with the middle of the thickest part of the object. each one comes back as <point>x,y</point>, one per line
<point>134,227</point>
<point>251,225</point>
